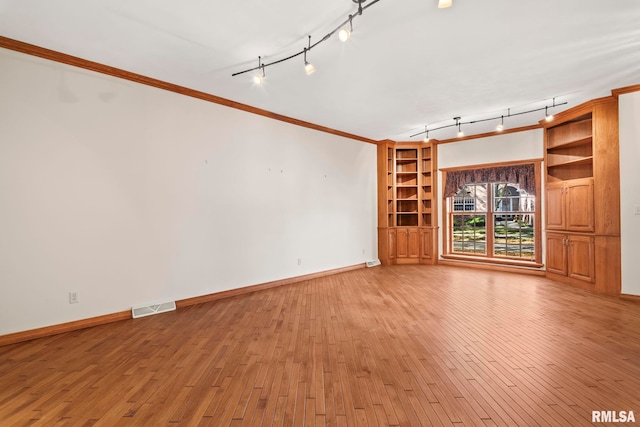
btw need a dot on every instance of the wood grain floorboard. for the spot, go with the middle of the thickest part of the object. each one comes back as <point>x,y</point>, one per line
<point>386,346</point>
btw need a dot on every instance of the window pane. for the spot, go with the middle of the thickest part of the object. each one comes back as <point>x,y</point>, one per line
<point>513,236</point>
<point>507,197</point>
<point>511,212</point>
<point>471,198</point>
<point>469,234</point>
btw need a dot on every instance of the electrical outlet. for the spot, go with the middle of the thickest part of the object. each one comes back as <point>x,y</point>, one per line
<point>299,261</point>
<point>74,297</point>
<point>636,209</point>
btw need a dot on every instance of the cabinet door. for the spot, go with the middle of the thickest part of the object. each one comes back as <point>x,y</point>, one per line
<point>413,241</point>
<point>581,260</point>
<point>556,253</point>
<point>392,245</point>
<point>426,243</point>
<point>555,206</point>
<point>402,239</point>
<point>408,243</point>
<point>579,204</point>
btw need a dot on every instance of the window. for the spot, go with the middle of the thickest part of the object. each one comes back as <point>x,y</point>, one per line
<point>469,228</point>
<point>495,220</point>
<point>464,202</point>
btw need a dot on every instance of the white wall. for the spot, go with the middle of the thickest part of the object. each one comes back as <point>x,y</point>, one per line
<point>630,190</point>
<point>494,149</point>
<point>132,195</point>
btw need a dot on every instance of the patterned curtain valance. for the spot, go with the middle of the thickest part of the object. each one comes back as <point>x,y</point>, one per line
<point>524,175</point>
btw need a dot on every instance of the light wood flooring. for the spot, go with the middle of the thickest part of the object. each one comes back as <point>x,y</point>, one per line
<point>402,345</point>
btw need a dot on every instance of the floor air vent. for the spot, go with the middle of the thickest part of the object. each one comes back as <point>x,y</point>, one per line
<point>153,309</point>
<point>373,263</point>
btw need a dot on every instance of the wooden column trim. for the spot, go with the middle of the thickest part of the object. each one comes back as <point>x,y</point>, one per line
<point>623,90</point>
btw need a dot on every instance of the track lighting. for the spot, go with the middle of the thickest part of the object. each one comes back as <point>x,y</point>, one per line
<point>548,117</point>
<point>308,67</point>
<point>258,78</point>
<point>460,133</point>
<point>458,123</point>
<point>345,33</point>
<point>426,137</point>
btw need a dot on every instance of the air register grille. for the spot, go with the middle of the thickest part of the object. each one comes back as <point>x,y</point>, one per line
<point>153,309</point>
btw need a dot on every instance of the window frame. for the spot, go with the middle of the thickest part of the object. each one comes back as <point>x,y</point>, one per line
<point>447,213</point>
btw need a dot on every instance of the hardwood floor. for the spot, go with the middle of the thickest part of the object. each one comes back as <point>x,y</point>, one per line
<point>402,345</point>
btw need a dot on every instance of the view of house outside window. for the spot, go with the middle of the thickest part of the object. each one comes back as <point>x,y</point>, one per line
<point>494,220</point>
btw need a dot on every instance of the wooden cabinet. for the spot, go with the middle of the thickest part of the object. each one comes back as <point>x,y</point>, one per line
<point>408,244</point>
<point>391,244</point>
<point>557,253</point>
<point>406,187</point>
<point>580,258</point>
<point>406,207</point>
<point>570,205</point>
<point>426,244</point>
<point>571,255</point>
<point>582,196</point>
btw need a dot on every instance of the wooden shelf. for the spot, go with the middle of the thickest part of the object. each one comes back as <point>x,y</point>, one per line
<point>411,181</point>
<point>406,154</point>
<point>574,162</point>
<point>582,196</point>
<point>570,144</point>
<point>571,132</point>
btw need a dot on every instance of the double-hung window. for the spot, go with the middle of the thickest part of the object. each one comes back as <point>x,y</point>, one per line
<point>490,215</point>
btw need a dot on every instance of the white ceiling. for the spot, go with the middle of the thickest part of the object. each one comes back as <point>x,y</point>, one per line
<point>407,64</point>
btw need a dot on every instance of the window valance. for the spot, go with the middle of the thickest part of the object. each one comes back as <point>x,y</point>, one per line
<point>523,174</point>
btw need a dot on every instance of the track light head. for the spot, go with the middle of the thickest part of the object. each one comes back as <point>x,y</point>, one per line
<point>258,78</point>
<point>426,137</point>
<point>309,68</point>
<point>344,35</point>
<point>500,127</point>
<point>548,117</point>
<point>460,133</point>
<point>444,4</point>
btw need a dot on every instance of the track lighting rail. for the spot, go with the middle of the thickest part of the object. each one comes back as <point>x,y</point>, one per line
<point>261,66</point>
<point>459,123</point>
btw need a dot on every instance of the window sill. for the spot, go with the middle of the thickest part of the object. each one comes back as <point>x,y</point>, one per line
<point>493,261</point>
